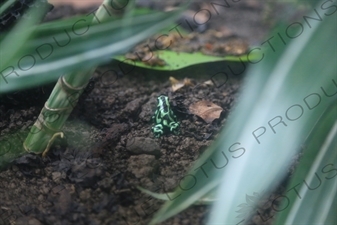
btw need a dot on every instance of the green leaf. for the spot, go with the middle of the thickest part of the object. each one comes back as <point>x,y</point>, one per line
<point>41,60</point>
<point>179,60</point>
<point>239,164</point>
<point>206,200</point>
<point>6,5</point>
<point>313,184</point>
<point>16,39</point>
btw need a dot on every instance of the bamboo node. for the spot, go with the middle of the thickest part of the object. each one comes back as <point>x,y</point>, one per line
<point>47,108</point>
<point>64,83</point>
<point>42,125</point>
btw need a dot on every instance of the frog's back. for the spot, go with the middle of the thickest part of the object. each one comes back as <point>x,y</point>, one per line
<point>164,104</point>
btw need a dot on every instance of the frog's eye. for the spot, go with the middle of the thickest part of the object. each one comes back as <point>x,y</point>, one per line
<point>162,98</point>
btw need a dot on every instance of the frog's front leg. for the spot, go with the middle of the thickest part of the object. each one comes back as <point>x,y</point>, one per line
<point>174,127</point>
<point>158,130</point>
<point>153,118</point>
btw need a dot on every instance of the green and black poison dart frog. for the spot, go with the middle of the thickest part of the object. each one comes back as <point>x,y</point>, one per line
<point>164,118</point>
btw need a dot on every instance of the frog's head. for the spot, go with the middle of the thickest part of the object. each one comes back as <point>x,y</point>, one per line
<point>163,100</point>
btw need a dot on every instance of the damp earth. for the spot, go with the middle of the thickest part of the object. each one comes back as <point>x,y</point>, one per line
<point>91,175</point>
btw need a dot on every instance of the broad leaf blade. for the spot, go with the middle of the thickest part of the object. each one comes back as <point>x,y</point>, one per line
<point>12,44</point>
<point>244,166</point>
<point>206,200</point>
<point>297,75</point>
<point>179,60</point>
<point>83,51</point>
<point>6,5</point>
<point>313,184</point>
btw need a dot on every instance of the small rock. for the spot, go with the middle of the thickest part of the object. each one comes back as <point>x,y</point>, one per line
<point>148,110</point>
<point>105,184</point>
<point>56,176</point>
<point>84,174</point>
<point>57,189</point>
<point>34,221</point>
<point>15,168</point>
<point>12,186</point>
<point>141,145</point>
<point>71,188</point>
<point>113,133</point>
<point>85,194</point>
<point>44,189</point>
<point>64,202</point>
<point>40,198</point>
<point>133,107</point>
<point>142,165</point>
<point>27,221</point>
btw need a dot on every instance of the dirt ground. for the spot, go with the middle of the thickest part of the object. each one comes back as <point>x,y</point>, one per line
<point>90,176</point>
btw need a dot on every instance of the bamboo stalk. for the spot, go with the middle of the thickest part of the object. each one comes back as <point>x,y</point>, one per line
<point>63,99</point>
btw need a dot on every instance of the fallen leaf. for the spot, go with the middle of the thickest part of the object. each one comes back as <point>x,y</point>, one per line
<point>177,84</point>
<point>209,83</point>
<point>207,110</point>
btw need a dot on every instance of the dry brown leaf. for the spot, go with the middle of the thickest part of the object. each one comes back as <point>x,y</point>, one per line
<point>207,110</point>
<point>209,83</point>
<point>177,84</point>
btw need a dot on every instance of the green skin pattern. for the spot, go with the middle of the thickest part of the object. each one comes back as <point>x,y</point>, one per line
<point>164,118</point>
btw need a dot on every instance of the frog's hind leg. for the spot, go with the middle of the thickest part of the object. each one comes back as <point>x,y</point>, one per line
<point>174,127</point>
<point>158,130</point>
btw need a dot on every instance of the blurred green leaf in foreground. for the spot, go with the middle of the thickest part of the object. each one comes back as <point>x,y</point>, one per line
<point>284,97</point>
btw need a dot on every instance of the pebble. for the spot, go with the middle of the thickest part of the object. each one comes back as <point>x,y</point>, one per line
<point>142,145</point>
<point>56,176</point>
<point>133,106</point>
<point>143,165</point>
<point>85,194</point>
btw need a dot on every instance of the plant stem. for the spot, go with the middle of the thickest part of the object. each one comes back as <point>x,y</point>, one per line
<point>62,100</point>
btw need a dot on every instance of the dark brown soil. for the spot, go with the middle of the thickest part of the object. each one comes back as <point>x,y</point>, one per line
<point>90,176</point>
